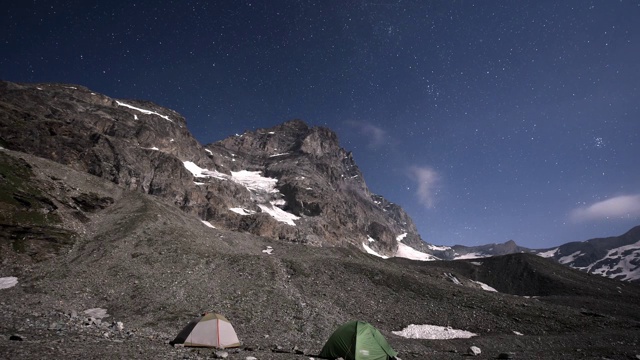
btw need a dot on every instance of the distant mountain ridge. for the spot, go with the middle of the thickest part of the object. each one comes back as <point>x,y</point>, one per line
<point>617,257</point>
<point>290,182</point>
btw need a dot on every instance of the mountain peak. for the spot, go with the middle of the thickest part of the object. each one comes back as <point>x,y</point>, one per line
<point>297,125</point>
<point>289,182</point>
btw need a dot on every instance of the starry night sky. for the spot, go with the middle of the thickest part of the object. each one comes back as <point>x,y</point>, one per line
<point>485,120</point>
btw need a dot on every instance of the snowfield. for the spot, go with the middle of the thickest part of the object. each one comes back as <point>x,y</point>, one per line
<point>263,191</point>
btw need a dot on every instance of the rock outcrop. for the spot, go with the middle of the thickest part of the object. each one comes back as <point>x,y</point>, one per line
<point>318,195</point>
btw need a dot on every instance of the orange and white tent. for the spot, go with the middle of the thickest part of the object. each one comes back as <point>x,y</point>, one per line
<point>208,330</point>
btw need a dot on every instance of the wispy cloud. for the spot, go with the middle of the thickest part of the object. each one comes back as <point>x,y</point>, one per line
<point>428,182</point>
<point>622,206</point>
<point>376,135</point>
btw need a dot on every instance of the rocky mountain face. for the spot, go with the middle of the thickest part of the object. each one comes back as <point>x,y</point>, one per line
<point>472,252</point>
<point>117,228</point>
<point>319,183</point>
<point>617,257</point>
<point>318,195</point>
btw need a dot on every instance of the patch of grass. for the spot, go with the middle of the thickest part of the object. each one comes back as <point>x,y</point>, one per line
<point>296,268</point>
<point>21,202</point>
<point>29,222</point>
<point>19,246</point>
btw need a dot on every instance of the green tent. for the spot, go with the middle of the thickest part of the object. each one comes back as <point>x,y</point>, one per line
<point>357,340</point>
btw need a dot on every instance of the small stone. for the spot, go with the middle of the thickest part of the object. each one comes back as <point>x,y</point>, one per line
<point>98,313</point>
<point>474,351</point>
<point>507,355</point>
<point>250,358</point>
<point>221,354</point>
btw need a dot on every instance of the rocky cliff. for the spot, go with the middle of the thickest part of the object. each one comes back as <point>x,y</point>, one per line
<point>291,182</point>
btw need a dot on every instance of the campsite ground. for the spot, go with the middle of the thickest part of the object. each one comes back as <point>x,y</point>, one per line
<point>47,314</point>
<point>80,345</point>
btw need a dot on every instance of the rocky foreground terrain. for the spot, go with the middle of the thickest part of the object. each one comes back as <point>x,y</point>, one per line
<point>111,242</point>
<point>138,269</point>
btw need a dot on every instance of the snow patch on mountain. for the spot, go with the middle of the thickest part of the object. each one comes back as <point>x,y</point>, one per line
<point>279,214</point>
<point>208,224</point>
<point>485,286</point>
<point>255,182</point>
<point>549,253</point>
<point>199,172</point>
<point>622,263</point>
<point>144,111</point>
<point>242,211</point>
<point>570,258</point>
<point>438,247</point>
<point>263,191</point>
<point>406,251</point>
<point>474,255</point>
<point>373,252</point>
<point>454,279</point>
<point>280,154</point>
